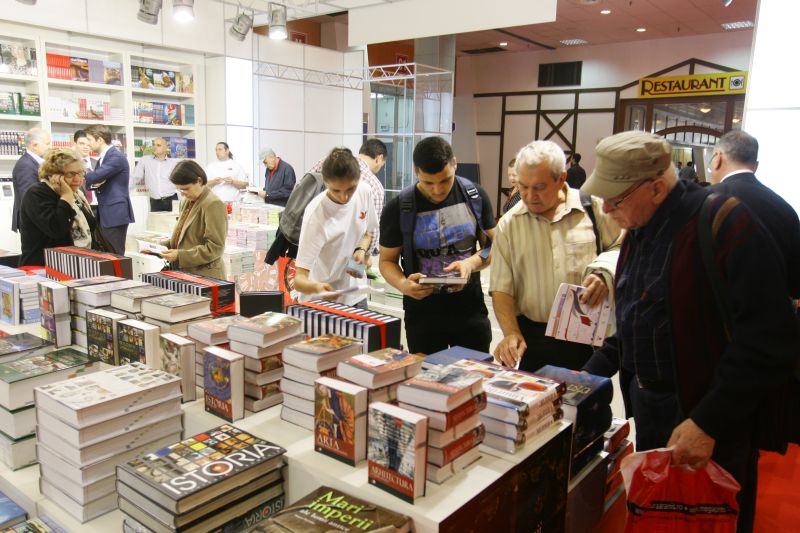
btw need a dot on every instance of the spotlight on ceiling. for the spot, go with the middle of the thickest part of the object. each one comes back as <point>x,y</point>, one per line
<point>277,22</point>
<point>183,10</point>
<point>705,109</point>
<point>27,2</point>
<point>148,11</point>
<point>726,3</point>
<point>241,25</point>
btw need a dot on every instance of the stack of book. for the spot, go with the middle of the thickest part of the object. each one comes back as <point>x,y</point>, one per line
<point>380,372</point>
<point>519,405</point>
<point>322,317</point>
<point>587,404</point>
<point>173,313</point>
<point>224,479</point>
<point>303,363</point>
<point>326,502</point>
<point>129,301</point>
<point>55,320</point>
<point>616,443</point>
<point>78,263</point>
<point>18,379</point>
<point>221,292</point>
<point>237,260</point>
<point>435,393</point>
<point>261,340</point>
<point>89,294</point>
<point>88,425</point>
<point>19,297</point>
<point>211,332</point>
<point>63,67</point>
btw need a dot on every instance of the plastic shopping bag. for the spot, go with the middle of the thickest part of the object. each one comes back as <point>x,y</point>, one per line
<point>670,499</point>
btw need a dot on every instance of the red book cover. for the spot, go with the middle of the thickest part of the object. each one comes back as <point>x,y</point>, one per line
<point>466,410</point>
<point>460,446</point>
<point>340,420</point>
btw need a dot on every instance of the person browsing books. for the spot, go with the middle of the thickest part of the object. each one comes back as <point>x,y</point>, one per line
<point>332,253</point>
<point>55,212</point>
<point>433,229</point>
<point>226,177</point>
<point>547,239</point>
<point>198,240</point>
<point>695,372</point>
<point>279,178</point>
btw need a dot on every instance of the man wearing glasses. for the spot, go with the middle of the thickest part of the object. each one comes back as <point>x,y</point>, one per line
<point>546,239</point>
<point>690,380</point>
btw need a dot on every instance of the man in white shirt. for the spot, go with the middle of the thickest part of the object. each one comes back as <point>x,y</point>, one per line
<point>226,177</point>
<point>155,169</point>
<point>26,170</point>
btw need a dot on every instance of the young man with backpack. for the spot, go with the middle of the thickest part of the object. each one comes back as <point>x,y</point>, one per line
<point>435,228</point>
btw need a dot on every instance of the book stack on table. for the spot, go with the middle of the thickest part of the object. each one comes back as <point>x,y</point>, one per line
<point>221,292</point>
<point>88,425</point>
<point>174,313</point>
<point>303,363</point>
<point>205,333</point>
<point>380,372</point>
<point>18,378</point>
<point>78,308</point>
<point>20,297</point>
<point>618,447</point>
<point>438,393</point>
<point>78,263</point>
<point>55,319</point>
<point>224,479</point>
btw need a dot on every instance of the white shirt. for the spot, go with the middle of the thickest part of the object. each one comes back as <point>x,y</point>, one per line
<point>156,174</point>
<point>39,159</point>
<point>740,171</point>
<point>103,154</point>
<point>328,236</point>
<point>226,169</point>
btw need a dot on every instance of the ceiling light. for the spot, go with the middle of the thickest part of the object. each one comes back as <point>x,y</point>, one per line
<point>737,25</point>
<point>148,11</point>
<point>503,43</point>
<point>27,2</point>
<point>705,109</point>
<point>736,120</point>
<point>183,10</point>
<point>241,26</point>
<point>726,3</point>
<point>641,30</point>
<point>277,22</point>
<point>605,12</point>
<point>573,42</point>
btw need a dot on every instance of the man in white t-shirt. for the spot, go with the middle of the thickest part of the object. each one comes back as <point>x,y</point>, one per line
<point>226,177</point>
<point>336,232</point>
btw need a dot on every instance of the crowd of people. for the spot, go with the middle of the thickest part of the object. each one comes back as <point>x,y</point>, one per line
<point>701,278</point>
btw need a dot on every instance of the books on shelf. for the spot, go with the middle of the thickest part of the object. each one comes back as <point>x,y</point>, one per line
<point>213,331</point>
<point>340,420</point>
<point>570,320</point>
<point>176,307</point>
<point>223,383</point>
<point>137,342</point>
<point>321,353</point>
<point>380,368</point>
<point>102,334</point>
<point>441,388</point>
<point>130,300</point>
<point>264,330</point>
<point>18,59</point>
<point>177,357</point>
<point>12,142</point>
<point>396,450</point>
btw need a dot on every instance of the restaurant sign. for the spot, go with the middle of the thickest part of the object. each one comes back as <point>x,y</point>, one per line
<point>693,85</point>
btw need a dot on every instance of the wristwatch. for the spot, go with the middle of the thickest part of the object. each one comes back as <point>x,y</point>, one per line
<point>360,248</point>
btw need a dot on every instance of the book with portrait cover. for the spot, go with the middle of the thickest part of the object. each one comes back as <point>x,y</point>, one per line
<point>396,450</point>
<point>101,335</point>
<point>223,383</point>
<point>340,420</point>
<point>177,357</point>
<point>318,512</point>
<point>194,471</point>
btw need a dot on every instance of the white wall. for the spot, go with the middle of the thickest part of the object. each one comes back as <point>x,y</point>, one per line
<point>604,66</point>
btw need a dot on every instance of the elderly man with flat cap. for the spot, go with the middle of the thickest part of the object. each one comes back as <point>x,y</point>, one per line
<point>695,375</point>
<point>279,179</point>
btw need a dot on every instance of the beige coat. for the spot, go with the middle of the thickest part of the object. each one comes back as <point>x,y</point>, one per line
<point>202,239</point>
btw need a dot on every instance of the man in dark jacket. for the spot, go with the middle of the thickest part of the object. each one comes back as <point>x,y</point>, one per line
<point>279,179</point>
<point>26,170</point>
<point>576,176</point>
<point>690,379</point>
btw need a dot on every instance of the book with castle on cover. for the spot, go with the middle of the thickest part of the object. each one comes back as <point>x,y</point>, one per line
<point>101,335</point>
<point>573,321</point>
<point>322,511</point>
<point>193,471</point>
<point>223,383</point>
<point>177,357</point>
<point>396,450</point>
<point>340,420</point>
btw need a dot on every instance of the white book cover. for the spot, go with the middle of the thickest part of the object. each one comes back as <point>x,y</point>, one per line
<point>570,320</point>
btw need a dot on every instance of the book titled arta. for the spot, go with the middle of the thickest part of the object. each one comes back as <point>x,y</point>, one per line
<point>328,509</point>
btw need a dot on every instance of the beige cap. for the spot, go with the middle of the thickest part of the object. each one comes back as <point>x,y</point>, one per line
<point>625,158</point>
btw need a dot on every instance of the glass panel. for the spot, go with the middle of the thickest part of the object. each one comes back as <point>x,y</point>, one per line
<point>696,123</point>
<point>738,113</point>
<point>634,117</point>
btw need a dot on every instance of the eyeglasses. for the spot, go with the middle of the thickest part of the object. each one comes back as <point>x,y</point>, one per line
<point>616,203</point>
<point>72,175</point>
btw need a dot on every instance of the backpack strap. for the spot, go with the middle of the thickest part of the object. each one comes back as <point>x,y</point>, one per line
<point>473,197</point>
<point>586,203</point>
<point>408,219</point>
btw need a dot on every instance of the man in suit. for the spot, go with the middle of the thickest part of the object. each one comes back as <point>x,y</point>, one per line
<point>26,171</point>
<point>576,176</point>
<point>733,166</point>
<point>110,179</point>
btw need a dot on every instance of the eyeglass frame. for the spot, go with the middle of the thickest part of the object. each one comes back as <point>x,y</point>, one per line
<point>617,203</point>
<point>71,175</point>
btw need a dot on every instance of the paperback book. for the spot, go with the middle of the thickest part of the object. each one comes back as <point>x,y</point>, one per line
<point>570,320</point>
<point>340,420</point>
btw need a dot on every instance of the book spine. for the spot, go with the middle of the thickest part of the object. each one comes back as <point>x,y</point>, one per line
<point>466,410</point>
<point>459,446</point>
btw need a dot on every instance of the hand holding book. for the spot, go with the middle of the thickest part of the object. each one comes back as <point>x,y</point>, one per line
<point>594,292</point>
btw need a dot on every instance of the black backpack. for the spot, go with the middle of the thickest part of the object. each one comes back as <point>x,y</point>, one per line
<point>292,216</point>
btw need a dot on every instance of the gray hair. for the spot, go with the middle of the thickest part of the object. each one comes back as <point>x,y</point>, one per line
<point>740,147</point>
<point>538,152</point>
<point>266,152</point>
<point>35,135</point>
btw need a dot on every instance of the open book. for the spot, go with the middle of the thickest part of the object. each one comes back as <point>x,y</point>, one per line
<point>355,289</point>
<point>148,247</point>
<point>570,320</point>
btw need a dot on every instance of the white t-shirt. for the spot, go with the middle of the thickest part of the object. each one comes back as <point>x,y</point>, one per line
<point>226,169</point>
<point>328,236</point>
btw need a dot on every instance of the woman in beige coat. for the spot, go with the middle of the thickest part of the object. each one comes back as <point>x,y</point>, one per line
<point>198,240</point>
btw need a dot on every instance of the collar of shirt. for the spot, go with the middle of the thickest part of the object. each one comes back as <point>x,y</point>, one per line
<point>35,157</point>
<point>740,171</point>
<point>571,203</point>
<point>662,214</point>
<point>103,154</point>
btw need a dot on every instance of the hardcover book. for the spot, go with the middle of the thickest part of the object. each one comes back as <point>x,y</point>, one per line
<point>176,307</point>
<point>266,329</point>
<point>131,299</point>
<point>101,335</point>
<point>223,383</point>
<point>463,444</point>
<point>380,368</point>
<point>570,320</point>
<point>10,513</point>
<point>440,421</point>
<point>99,294</point>
<point>13,346</point>
<point>177,357</point>
<point>454,354</point>
<point>54,297</point>
<point>213,331</point>
<point>193,471</point>
<point>340,420</point>
<point>320,512</point>
<point>137,341</point>
<point>396,450</point>
<point>321,353</point>
<point>441,388</point>
<point>56,329</point>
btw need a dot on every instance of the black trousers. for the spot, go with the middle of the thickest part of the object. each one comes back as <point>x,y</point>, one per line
<point>162,204</point>
<point>549,351</point>
<point>116,237</point>
<point>433,334</point>
<point>657,413</point>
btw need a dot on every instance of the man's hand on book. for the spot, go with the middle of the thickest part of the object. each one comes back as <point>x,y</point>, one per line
<point>464,270</point>
<point>692,446</point>
<point>411,288</point>
<point>594,290</point>
<point>510,350</point>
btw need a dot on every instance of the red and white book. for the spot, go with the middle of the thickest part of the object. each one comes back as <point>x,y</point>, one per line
<point>380,368</point>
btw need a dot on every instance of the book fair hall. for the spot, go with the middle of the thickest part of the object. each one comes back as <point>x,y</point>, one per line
<point>302,266</point>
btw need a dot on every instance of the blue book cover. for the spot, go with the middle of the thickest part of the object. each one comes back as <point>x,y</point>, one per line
<point>10,512</point>
<point>456,353</point>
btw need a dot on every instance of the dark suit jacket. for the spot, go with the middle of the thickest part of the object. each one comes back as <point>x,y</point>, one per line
<point>280,187</point>
<point>24,176</point>
<point>777,216</point>
<point>113,197</point>
<point>576,176</point>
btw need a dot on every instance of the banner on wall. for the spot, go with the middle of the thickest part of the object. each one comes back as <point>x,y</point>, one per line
<point>694,85</point>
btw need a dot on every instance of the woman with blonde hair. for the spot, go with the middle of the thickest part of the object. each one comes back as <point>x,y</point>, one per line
<point>54,211</point>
